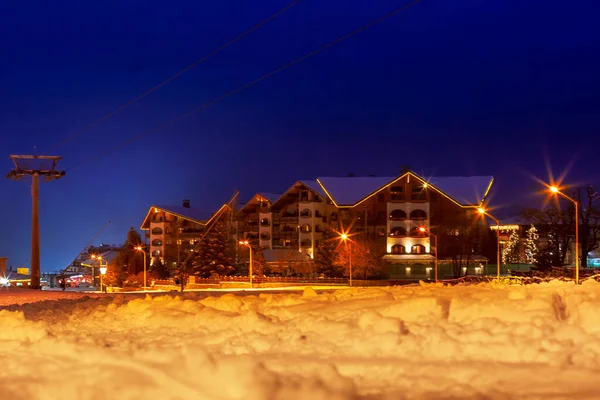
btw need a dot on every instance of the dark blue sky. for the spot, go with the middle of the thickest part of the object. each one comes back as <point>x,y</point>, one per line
<point>469,87</point>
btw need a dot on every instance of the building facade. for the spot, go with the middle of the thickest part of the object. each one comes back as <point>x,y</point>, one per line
<point>399,214</point>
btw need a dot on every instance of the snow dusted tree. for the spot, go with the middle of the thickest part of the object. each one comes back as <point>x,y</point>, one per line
<point>510,254</point>
<point>531,246</point>
<point>326,257</point>
<point>212,255</point>
<point>259,264</point>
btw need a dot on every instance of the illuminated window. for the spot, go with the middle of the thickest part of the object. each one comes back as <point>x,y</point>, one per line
<point>157,242</point>
<point>398,249</point>
<point>306,228</point>
<point>417,249</point>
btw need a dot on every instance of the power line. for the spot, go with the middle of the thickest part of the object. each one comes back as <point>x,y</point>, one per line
<point>251,83</point>
<point>163,83</point>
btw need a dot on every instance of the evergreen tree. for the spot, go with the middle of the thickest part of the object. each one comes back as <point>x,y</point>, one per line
<point>159,269</point>
<point>259,264</point>
<point>531,248</point>
<point>212,255</point>
<point>327,256</point>
<point>510,254</point>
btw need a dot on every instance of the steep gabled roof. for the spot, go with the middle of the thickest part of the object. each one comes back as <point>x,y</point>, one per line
<point>315,187</point>
<point>271,197</point>
<point>466,190</point>
<point>191,214</point>
<point>312,185</point>
<point>350,191</point>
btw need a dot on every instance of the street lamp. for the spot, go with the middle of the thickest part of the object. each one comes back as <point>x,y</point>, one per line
<point>482,211</point>
<point>422,229</point>
<point>555,190</point>
<point>140,248</point>
<point>247,244</point>
<point>102,269</point>
<point>348,243</point>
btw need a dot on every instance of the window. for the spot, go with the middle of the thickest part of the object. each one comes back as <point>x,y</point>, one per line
<point>416,232</point>
<point>157,231</point>
<point>419,193</point>
<point>418,214</point>
<point>417,249</point>
<point>380,232</point>
<point>265,222</point>
<point>306,243</point>
<point>306,228</point>
<point>397,193</point>
<point>304,195</point>
<point>397,215</point>
<point>265,236</point>
<point>398,231</point>
<point>156,253</point>
<point>306,213</point>
<point>398,249</point>
<point>157,242</point>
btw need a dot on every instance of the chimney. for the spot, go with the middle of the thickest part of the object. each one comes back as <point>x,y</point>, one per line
<point>186,203</point>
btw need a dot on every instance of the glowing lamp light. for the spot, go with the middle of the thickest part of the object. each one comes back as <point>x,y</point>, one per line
<point>344,236</point>
<point>421,229</point>
<point>3,281</point>
<point>103,270</point>
<point>553,189</point>
<point>244,242</point>
<point>481,210</point>
<point>138,248</point>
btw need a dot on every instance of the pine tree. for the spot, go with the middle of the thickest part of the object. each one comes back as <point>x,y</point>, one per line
<point>327,256</point>
<point>510,253</point>
<point>259,264</point>
<point>159,269</point>
<point>212,253</point>
<point>531,248</point>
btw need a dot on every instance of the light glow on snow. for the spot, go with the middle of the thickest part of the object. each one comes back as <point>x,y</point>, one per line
<point>428,341</point>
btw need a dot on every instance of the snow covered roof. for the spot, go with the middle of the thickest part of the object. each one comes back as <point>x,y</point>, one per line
<point>314,185</point>
<point>272,197</point>
<point>193,214</point>
<point>108,256</point>
<point>348,191</point>
<point>466,190</point>
<point>15,276</point>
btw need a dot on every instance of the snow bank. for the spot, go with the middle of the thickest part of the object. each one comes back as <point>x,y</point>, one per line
<point>428,341</point>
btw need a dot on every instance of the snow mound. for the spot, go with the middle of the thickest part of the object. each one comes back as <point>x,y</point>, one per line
<point>422,341</point>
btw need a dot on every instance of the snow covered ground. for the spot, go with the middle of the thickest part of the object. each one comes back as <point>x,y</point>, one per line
<point>419,342</point>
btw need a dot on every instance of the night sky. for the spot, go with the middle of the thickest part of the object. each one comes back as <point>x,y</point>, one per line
<point>448,88</point>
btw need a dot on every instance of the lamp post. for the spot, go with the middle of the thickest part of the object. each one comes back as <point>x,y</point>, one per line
<point>482,211</point>
<point>557,191</point>
<point>140,248</point>
<point>348,243</point>
<point>103,268</point>
<point>435,238</point>
<point>250,265</point>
